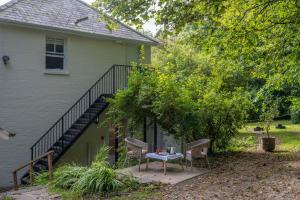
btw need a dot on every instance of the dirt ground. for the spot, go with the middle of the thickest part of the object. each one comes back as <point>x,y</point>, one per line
<point>244,176</point>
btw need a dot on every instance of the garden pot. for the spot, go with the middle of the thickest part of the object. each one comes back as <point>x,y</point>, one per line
<point>268,143</point>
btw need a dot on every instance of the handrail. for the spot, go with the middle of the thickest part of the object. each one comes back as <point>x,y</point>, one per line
<point>49,158</point>
<point>114,78</point>
<point>74,105</point>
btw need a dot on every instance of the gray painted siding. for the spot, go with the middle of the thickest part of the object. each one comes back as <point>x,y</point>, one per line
<point>84,150</point>
<point>31,101</point>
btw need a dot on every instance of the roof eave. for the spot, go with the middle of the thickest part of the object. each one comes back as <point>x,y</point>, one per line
<point>79,33</point>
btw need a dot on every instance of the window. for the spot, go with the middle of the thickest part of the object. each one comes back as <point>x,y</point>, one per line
<point>55,54</point>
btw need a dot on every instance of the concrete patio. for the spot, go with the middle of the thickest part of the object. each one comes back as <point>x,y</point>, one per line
<point>155,173</point>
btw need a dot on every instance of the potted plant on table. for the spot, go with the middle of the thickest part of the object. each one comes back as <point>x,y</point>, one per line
<point>270,111</point>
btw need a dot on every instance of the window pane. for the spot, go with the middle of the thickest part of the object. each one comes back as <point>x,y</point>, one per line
<point>59,48</point>
<point>50,47</point>
<point>54,62</point>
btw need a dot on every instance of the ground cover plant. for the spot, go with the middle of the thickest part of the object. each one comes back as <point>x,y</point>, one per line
<point>99,179</point>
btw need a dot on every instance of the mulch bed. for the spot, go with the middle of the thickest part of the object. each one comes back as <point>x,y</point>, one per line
<point>244,175</point>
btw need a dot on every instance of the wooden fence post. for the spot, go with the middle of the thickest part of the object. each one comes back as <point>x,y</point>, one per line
<point>15,180</point>
<point>50,168</point>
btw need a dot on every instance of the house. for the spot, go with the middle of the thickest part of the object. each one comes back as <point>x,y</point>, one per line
<point>56,60</point>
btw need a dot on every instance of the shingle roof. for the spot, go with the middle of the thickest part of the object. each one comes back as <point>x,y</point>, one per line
<point>62,15</point>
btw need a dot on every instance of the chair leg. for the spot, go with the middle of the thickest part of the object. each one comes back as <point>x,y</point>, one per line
<point>208,162</point>
<point>140,163</point>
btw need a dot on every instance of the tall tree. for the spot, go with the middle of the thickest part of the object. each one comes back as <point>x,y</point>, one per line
<point>257,40</point>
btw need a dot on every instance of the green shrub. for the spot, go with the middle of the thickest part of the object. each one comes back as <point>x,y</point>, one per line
<point>66,176</point>
<point>295,110</point>
<point>101,157</point>
<point>129,183</point>
<point>241,142</point>
<point>41,178</point>
<point>295,117</point>
<point>96,180</point>
<point>99,178</point>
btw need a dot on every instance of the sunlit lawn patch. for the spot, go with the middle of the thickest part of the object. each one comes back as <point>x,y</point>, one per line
<point>289,138</point>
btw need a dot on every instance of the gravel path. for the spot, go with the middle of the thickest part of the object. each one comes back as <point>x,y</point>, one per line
<point>33,193</point>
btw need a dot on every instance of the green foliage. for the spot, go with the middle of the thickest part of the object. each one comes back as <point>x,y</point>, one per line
<point>270,111</point>
<point>41,178</point>
<point>289,137</point>
<point>96,180</point>
<point>99,178</point>
<point>255,42</point>
<point>188,98</point>
<point>242,142</point>
<point>67,175</point>
<point>129,184</point>
<point>295,110</point>
<point>101,157</point>
<point>150,191</point>
<point>7,198</point>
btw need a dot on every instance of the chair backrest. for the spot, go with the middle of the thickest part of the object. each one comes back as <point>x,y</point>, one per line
<point>132,143</point>
<point>199,146</point>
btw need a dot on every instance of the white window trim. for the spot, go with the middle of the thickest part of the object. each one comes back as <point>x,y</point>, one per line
<point>63,71</point>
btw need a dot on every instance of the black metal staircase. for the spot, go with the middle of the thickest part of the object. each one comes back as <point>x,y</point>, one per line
<point>77,119</point>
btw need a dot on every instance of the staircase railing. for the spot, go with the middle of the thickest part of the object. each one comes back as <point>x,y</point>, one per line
<point>112,80</point>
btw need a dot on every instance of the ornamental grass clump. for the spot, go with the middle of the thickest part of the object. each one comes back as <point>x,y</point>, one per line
<point>66,176</point>
<point>99,178</point>
<point>96,180</point>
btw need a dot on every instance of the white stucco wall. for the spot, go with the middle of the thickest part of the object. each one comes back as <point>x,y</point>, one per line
<point>30,100</point>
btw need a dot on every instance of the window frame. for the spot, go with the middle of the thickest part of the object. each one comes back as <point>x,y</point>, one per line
<point>64,70</point>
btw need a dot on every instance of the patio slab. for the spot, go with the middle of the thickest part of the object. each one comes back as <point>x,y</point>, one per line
<point>155,173</point>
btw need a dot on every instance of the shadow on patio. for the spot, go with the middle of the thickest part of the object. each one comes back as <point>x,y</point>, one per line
<point>155,173</point>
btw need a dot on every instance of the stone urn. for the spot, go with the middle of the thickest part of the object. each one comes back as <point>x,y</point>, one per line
<point>268,143</point>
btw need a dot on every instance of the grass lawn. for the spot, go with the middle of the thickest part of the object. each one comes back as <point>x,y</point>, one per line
<point>288,138</point>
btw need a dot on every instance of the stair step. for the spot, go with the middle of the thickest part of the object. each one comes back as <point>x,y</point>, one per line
<point>73,131</point>
<point>78,126</point>
<point>39,167</point>
<point>69,138</point>
<point>82,120</point>
<point>89,115</point>
<point>99,104</point>
<point>93,110</point>
<point>64,142</point>
<point>43,161</point>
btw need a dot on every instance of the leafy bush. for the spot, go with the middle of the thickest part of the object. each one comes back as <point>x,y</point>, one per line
<point>241,142</point>
<point>96,180</point>
<point>99,178</point>
<point>295,117</point>
<point>41,178</point>
<point>101,157</point>
<point>295,110</point>
<point>66,176</point>
<point>188,104</point>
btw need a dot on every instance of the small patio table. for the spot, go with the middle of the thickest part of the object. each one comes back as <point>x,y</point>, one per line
<point>164,157</point>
